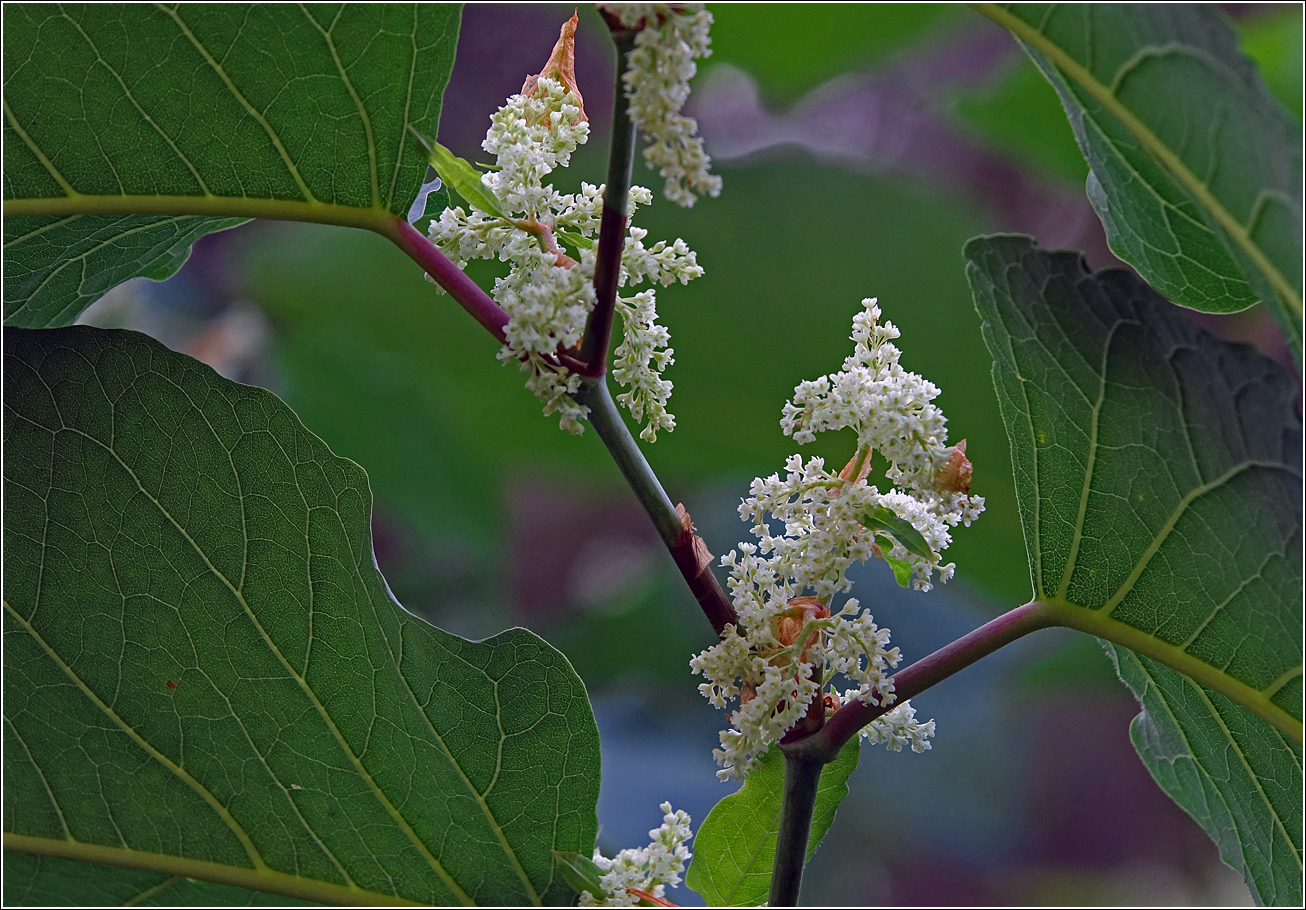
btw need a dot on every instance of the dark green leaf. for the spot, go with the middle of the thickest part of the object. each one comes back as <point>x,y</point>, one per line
<point>1158,471</point>
<point>57,265</point>
<point>458,174</point>
<point>1238,776</point>
<point>734,850</point>
<point>884,521</point>
<point>1196,168</point>
<point>205,673</point>
<point>132,129</point>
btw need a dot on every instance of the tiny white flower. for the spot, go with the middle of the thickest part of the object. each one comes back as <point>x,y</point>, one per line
<point>670,38</point>
<point>648,869</point>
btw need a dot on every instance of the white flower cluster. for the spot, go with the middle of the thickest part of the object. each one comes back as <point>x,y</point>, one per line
<point>892,412</point>
<point>789,644</point>
<point>548,294</point>
<point>671,37</point>
<point>647,869</point>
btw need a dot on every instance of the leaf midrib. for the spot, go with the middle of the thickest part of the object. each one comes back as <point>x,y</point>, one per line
<point>266,880</point>
<point>1074,616</point>
<point>1191,182</point>
<point>308,208</point>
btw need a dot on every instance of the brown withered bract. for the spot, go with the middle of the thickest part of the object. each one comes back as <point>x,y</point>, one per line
<point>954,476</point>
<point>846,474</point>
<point>786,629</point>
<point>561,65</point>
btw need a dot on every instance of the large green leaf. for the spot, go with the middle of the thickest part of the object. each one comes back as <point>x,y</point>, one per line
<point>132,129</point>
<point>1195,167</point>
<point>1240,778</point>
<point>734,850</point>
<point>205,674</point>
<point>1158,471</point>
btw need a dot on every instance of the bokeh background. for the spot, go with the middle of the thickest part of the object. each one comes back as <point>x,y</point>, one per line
<point>861,146</point>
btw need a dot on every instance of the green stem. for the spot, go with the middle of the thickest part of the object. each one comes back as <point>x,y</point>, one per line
<point>612,229</point>
<point>686,548</point>
<point>802,776</point>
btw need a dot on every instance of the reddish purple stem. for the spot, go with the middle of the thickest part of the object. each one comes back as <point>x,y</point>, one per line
<point>926,672</point>
<point>461,288</point>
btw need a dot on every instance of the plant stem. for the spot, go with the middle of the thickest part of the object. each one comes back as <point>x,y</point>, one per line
<point>926,672</point>
<point>461,288</point>
<point>802,775</point>
<point>612,228</point>
<point>454,281</point>
<point>672,523</point>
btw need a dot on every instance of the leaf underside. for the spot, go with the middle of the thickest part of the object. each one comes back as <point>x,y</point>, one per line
<point>734,850</point>
<point>204,110</point>
<point>1158,472</point>
<point>1210,755</point>
<point>1196,169</point>
<point>202,661</point>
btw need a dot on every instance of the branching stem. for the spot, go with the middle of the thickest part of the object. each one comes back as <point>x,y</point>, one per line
<point>805,757</point>
<point>687,549</point>
<point>926,672</point>
<point>454,281</point>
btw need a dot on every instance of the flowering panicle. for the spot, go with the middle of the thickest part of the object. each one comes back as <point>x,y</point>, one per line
<point>826,521</point>
<point>547,238</point>
<point>671,37</point>
<point>647,870</point>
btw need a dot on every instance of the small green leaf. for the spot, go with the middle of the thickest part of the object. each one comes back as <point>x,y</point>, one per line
<point>1196,169</point>
<point>206,674</point>
<point>901,570</point>
<point>458,174</point>
<point>576,240</point>
<point>734,850</point>
<point>885,521</point>
<point>579,871</point>
<point>1158,473</point>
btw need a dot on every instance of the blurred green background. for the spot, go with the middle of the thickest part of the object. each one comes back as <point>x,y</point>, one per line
<point>861,146</point>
